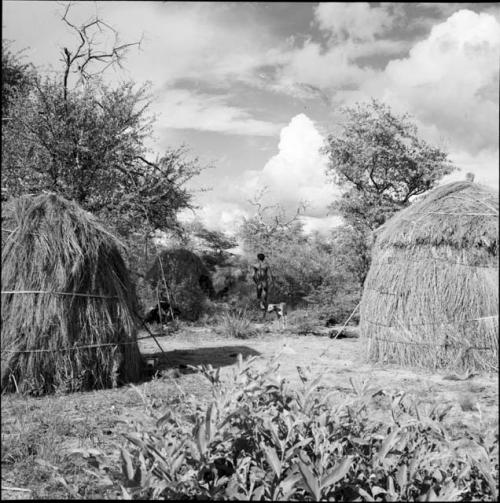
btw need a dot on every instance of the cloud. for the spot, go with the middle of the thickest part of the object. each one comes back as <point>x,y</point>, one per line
<point>356,20</point>
<point>297,172</point>
<point>218,215</point>
<point>325,69</point>
<point>450,80</point>
<point>352,36</point>
<point>193,40</point>
<point>449,84</point>
<point>322,225</point>
<point>183,109</point>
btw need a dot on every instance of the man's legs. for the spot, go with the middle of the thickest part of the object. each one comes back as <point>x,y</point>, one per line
<point>259,291</point>
<point>263,300</point>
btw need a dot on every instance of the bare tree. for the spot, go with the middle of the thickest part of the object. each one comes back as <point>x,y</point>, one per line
<point>272,219</point>
<point>88,59</point>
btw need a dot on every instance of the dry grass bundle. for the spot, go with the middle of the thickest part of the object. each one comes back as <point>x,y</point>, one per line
<point>431,295</point>
<point>84,297</point>
<point>188,281</point>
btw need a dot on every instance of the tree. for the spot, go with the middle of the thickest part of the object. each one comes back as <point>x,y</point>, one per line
<point>217,241</point>
<point>86,141</point>
<point>17,77</point>
<point>269,226</point>
<point>298,265</point>
<point>382,162</point>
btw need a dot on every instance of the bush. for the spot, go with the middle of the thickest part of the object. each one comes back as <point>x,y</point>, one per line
<point>236,323</point>
<point>260,439</point>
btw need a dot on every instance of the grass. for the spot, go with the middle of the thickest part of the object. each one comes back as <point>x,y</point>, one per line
<point>237,324</point>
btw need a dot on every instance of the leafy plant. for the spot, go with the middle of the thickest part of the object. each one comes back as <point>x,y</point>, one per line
<point>258,438</point>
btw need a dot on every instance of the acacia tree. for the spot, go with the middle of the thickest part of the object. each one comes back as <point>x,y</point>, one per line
<point>86,140</point>
<point>380,160</point>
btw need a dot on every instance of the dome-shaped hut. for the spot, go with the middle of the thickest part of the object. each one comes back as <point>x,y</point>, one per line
<point>68,305</point>
<point>179,277</point>
<point>430,298</point>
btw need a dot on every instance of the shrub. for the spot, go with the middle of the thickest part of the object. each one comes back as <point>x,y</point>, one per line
<point>258,438</point>
<point>237,324</point>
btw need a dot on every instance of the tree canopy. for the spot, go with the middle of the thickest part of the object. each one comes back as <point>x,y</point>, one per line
<point>382,162</point>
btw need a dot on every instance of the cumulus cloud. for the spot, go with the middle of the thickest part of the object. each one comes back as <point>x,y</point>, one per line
<point>450,79</point>
<point>297,172</point>
<point>184,109</point>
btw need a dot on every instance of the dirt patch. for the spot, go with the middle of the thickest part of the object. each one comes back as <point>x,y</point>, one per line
<point>339,361</point>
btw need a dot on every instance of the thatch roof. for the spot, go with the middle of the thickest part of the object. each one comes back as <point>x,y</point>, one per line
<point>64,285</point>
<point>431,295</point>
<point>182,279</point>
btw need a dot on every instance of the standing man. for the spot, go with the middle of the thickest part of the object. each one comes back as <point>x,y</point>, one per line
<point>262,277</point>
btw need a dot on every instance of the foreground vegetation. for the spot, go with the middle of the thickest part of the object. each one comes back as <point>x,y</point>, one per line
<point>246,433</point>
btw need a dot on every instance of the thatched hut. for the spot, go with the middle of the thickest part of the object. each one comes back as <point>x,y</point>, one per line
<point>180,277</point>
<point>68,305</point>
<point>431,296</point>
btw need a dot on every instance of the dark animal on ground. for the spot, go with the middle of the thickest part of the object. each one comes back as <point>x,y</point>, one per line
<point>330,322</point>
<point>153,314</point>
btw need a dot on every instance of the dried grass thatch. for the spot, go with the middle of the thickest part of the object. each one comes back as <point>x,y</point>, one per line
<point>431,295</point>
<point>70,288</point>
<point>188,281</point>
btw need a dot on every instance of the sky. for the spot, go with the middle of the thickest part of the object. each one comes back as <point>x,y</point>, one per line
<point>253,88</point>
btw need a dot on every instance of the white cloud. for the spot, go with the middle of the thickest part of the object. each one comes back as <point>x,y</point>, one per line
<point>355,20</point>
<point>183,109</point>
<point>192,40</point>
<point>450,80</point>
<point>321,68</point>
<point>297,172</point>
<point>219,215</point>
<point>352,30</point>
<point>322,225</point>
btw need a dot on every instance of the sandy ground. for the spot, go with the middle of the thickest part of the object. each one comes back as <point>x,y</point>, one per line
<point>339,361</point>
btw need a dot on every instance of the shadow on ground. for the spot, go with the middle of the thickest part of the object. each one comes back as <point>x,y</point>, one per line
<point>179,359</point>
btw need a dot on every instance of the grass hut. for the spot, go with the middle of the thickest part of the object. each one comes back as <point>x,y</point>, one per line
<point>431,296</point>
<point>68,306</point>
<point>181,278</point>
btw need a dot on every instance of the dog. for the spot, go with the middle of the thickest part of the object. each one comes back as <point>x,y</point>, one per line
<point>280,310</point>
